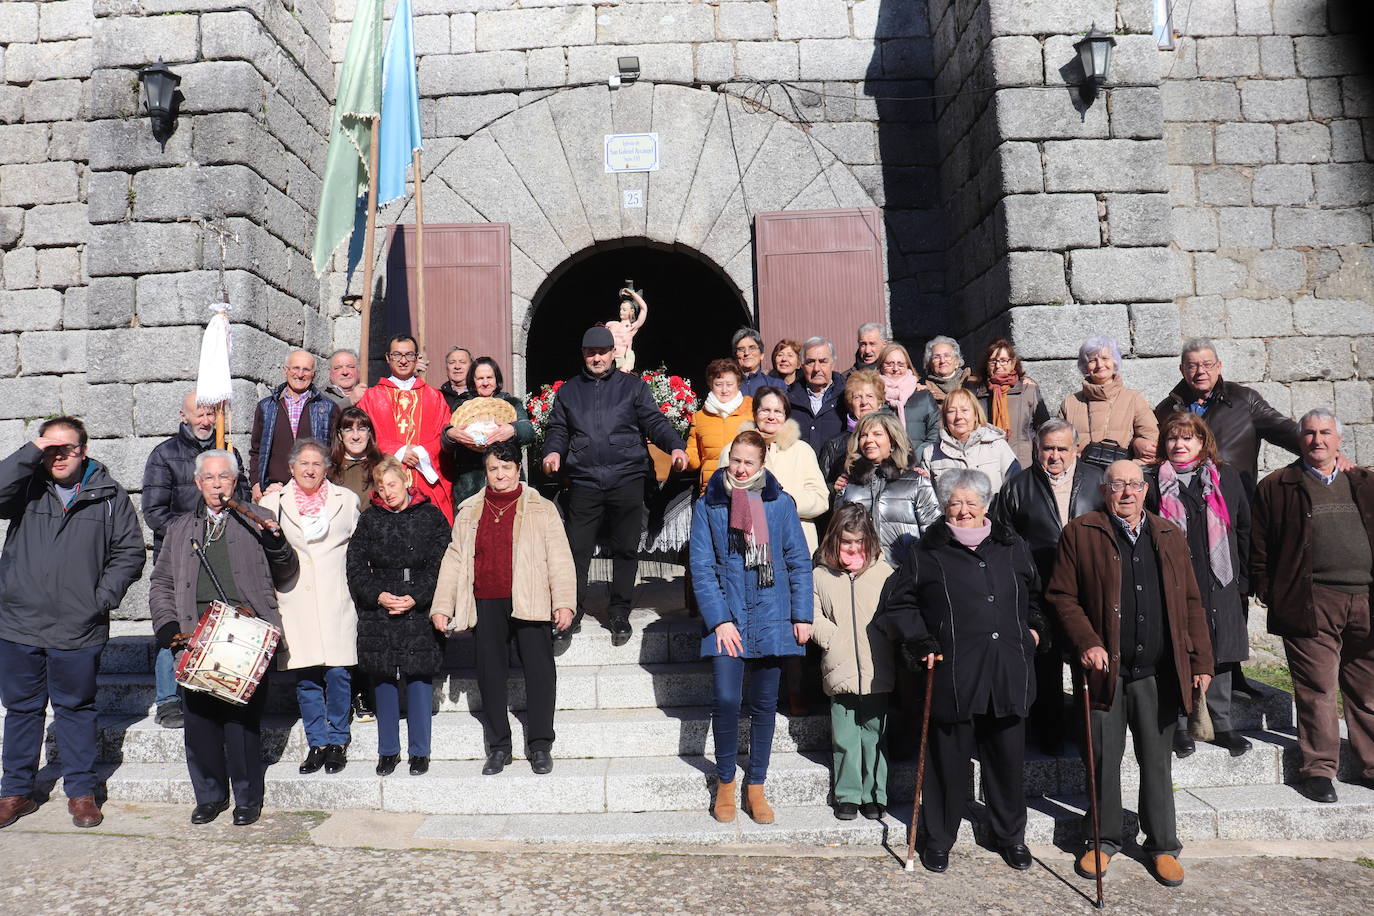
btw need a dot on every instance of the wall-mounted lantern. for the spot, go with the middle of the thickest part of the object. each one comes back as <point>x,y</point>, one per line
<point>160,99</point>
<point>1095,55</point>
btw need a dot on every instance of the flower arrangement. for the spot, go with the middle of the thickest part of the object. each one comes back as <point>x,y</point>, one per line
<point>674,395</point>
<point>540,407</point>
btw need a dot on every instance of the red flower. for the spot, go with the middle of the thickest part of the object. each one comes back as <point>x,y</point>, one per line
<point>556,385</point>
<point>674,380</point>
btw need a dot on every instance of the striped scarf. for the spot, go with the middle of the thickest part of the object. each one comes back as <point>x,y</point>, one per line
<point>749,525</point>
<point>1218,517</point>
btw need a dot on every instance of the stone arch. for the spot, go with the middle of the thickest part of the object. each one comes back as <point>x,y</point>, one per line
<point>540,168</point>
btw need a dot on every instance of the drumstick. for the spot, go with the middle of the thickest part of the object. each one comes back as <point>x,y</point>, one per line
<point>209,571</point>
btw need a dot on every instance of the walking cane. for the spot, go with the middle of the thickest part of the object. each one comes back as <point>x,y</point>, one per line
<point>920,765</point>
<point>1092,786</point>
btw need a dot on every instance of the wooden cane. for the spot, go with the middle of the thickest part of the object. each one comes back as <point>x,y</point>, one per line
<point>920,767</point>
<point>1092,786</point>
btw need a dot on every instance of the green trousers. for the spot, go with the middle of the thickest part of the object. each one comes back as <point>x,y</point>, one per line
<point>858,726</point>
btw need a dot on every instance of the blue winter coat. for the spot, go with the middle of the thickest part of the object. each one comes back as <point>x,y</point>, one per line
<point>726,591</point>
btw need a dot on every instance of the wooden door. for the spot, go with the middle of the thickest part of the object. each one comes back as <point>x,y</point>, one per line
<point>820,274</point>
<point>467,290</point>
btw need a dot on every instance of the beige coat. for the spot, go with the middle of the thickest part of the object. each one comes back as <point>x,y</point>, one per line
<point>319,622</point>
<point>1125,418</point>
<point>794,463</point>
<point>858,655</point>
<point>544,579</point>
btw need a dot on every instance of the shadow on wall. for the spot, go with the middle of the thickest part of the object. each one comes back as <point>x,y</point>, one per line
<point>898,84</point>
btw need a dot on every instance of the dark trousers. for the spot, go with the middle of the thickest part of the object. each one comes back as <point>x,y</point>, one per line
<point>30,678</point>
<point>761,704</point>
<point>1047,712</point>
<point>1149,705</point>
<point>224,747</point>
<point>1001,745</point>
<point>623,508</point>
<point>1341,655</point>
<point>496,629</point>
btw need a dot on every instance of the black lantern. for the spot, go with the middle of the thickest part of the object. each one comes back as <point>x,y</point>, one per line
<point>160,99</point>
<point>1095,54</point>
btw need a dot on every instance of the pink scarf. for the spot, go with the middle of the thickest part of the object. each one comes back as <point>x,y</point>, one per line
<point>898,391</point>
<point>1218,517</point>
<point>971,537</point>
<point>748,525</point>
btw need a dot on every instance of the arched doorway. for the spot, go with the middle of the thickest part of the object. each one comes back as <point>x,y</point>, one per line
<point>693,311</point>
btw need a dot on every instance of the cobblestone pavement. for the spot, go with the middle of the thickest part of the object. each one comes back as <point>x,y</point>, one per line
<point>147,860</point>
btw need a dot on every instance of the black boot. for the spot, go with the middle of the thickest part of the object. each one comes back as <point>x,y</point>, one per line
<point>313,760</point>
<point>386,764</point>
<point>335,758</point>
<point>496,762</point>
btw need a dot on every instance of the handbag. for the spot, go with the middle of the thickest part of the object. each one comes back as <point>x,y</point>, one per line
<point>1101,454</point>
<point>1200,722</point>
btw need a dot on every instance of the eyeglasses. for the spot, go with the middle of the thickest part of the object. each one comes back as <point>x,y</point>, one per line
<point>399,357</point>
<point>1116,486</point>
<point>63,451</point>
<point>1207,366</point>
<point>1000,361</point>
<point>747,348</point>
<point>226,476</point>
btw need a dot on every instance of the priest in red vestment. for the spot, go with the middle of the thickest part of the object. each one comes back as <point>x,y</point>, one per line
<point>409,416</point>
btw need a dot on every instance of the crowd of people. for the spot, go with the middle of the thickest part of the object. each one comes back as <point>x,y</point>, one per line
<point>931,519</point>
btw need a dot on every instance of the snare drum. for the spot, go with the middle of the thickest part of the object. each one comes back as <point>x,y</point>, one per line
<point>228,654</point>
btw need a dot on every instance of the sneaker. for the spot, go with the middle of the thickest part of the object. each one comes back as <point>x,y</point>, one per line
<point>170,715</point>
<point>361,711</point>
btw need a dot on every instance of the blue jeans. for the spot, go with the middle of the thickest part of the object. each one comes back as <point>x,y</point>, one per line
<point>419,709</point>
<point>762,707</point>
<point>165,676</point>
<point>29,678</point>
<point>325,696</point>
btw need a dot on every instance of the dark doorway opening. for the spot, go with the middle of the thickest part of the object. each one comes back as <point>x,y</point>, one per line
<point>693,311</point>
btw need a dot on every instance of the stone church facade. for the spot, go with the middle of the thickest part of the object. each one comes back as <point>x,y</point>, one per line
<point>1220,188</point>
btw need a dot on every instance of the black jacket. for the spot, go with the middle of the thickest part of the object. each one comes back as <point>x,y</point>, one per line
<point>1026,505</point>
<point>976,608</point>
<point>169,482</point>
<point>1239,418</point>
<point>398,552</point>
<point>818,428</point>
<point>1225,607</point>
<point>64,569</point>
<point>599,424</point>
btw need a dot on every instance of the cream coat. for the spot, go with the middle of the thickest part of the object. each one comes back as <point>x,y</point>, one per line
<point>544,579</point>
<point>319,621</point>
<point>858,655</point>
<point>794,463</point>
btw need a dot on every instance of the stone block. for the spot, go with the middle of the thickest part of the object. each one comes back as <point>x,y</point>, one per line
<point>1050,221</point>
<point>49,60</point>
<point>133,41</point>
<point>224,85</point>
<point>26,398</point>
<point>52,352</point>
<point>21,268</point>
<point>54,100</point>
<point>1245,143</point>
<point>1305,141</point>
<point>1228,57</point>
<point>211,192</point>
<point>1189,144</point>
<point>59,267</point>
<point>1246,227</point>
<point>1299,17</point>
<point>1243,359</point>
<point>1155,329</point>
<point>56,224</point>
<point>661,62</point>
<point>1137,113</point>
<point>69,141</point>
<point>462,29</point>
<point>1036,278</point>
<point>1020,168</point>
<point>1106,165</point>
<point>9,354</point>
<point>853,143</point>
<point>1216,274</point>
<point>519,29</point>
<point>62,19</point>
<point>1339,185</point>
<point>1195,228</point>
<point>1205,19</point>
<point>1201,316</point>
<point>23,143</point>
<point>1278,269</point>
<point>545,67</point>
<point>125,144</point>
<point>1294,359</point>
<point>749,21</point>
<point>1324,95</point>
<point>756,58</point>
<point>812,19</point>
<point>1138,219</point>
<point>11,226</point>
<point>30,310</point>
<point>1040,17</point>
<point>1282,184</point>
<point>1356,97</point>
<point>451,74</point>
<point>1347,143</point>
<point>464,115</point>
<point>1307,395</point>
<point>39,183</point>
<point>109,303</point>
<point>1253,17</point>
<point>1329,55</point>
<point>1259,317</point>
<point>1354,402</point>
<point>1032,114</point>
<point>1276,56</point>
<point>1332,317</point>
<point>122,355</point>
<point>18,23</point>
<point>835,58</point>
<point>1055,331</point>
<point>123,248</point>
<point>1191,100</point>
<point>715,62</point>
<point>431,35</point>
<point>1301,228</point>
<point>1016,59</point>
<point>1274,100</point>
<point>1120,274</point>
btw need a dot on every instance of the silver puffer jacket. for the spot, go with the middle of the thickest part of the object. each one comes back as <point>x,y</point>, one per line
<point>901,503</point>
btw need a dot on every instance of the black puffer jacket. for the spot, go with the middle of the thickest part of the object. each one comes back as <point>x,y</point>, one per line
<point>599,424</point>
<point>398,552</point>
<point>169,482</point>
<point>1239,418</point>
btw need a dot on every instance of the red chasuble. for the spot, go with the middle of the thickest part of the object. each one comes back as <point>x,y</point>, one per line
<point>414,417</point>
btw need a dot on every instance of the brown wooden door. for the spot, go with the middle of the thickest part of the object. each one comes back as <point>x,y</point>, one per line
<point>820,274</point>
<point>467,290</point>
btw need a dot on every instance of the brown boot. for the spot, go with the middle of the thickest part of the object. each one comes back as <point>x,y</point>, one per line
<point>724,808</point>
<point>84,811</point>
<point>756,806</point>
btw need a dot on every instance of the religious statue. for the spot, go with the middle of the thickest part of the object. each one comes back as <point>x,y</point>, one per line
<point>633,311</point>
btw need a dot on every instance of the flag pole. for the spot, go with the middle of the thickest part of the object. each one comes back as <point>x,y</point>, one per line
<point>419,253</point>
<point>369,239</point>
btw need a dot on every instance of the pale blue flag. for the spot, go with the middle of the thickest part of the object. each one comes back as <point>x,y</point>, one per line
<point>400,134</point>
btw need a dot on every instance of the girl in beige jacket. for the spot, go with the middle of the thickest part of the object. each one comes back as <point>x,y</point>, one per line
<point>857,667</point>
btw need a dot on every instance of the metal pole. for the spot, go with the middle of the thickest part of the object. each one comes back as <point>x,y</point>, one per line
<point>420,313</point>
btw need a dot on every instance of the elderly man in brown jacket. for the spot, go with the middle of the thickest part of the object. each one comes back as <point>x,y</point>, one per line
<point>1312,563</point>
<point>1124,591</point>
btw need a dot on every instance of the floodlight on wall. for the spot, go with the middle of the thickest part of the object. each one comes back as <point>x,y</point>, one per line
<point>1095,55</point>
<point>627,72</point>
<point>160,99</point>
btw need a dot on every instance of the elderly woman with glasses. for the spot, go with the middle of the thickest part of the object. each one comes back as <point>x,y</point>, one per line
<point>1011,399</point>
<point>912,401</point>
<point>944,367</point>
<point>1105,410</point>
<point>967,603</point>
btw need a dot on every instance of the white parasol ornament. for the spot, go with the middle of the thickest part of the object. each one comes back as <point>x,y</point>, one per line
<point>213,382</point>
